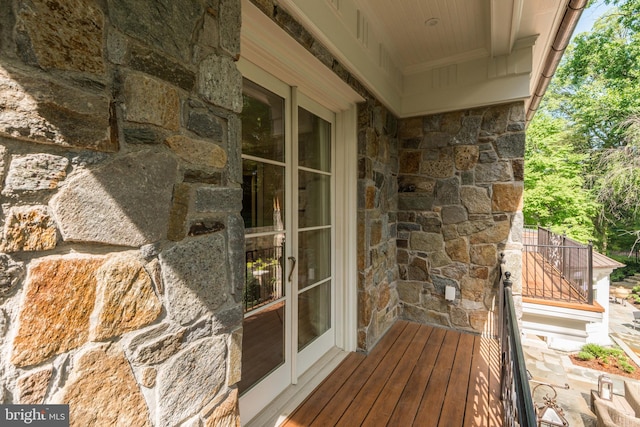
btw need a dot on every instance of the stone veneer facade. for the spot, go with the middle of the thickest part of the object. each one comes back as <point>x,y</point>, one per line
<point>121,245</point>
<point>459,212</point>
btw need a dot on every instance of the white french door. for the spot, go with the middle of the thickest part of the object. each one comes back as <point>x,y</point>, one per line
<point>288,146</point>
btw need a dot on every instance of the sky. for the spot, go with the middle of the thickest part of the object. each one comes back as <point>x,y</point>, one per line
<point>590,15</point>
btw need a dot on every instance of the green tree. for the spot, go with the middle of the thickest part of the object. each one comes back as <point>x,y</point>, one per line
<point>554,187</point>
<point>595,92</point>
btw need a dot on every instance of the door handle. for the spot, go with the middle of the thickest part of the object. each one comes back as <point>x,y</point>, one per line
<point>293,266</point>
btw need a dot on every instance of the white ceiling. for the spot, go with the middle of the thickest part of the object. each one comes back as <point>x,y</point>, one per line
<point>479,52</point>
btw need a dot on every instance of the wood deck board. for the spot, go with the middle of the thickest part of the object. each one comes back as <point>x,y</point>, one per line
<point>332,412</point>
<point>368,394</point>
<point>541,280</point>
<point>452,412</point>
<point>417,375</point>
<point>407,407</point>
<point>384,406</point>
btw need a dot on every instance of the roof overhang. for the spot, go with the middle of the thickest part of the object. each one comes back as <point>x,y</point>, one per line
<point>524,43</point>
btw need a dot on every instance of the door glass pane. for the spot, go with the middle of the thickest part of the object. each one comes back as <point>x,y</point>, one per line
<point>263,187</point>
<point>314,199</point>
<point>314,141</point>
<point>265,273</point>
<point>262,123</point>
<point>263,196</point>
<point>314,313</point>
<point>314,260</point>
<point>262,345</point>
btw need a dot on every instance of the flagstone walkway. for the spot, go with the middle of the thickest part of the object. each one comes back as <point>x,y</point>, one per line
<point>554,366</point>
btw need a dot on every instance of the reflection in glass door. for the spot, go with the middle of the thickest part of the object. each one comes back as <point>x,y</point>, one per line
<point>263,185</point>
<point>288,216</point>
<point>314,228</point>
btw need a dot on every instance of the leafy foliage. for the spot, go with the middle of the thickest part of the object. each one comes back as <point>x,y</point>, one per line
<point>606,356</point>
<point>554,189</point>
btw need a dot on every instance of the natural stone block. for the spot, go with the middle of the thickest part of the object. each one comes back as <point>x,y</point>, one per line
<point>179,212</point>
<point>511,146</point>
<point>29,228</point>
<point>58,302</point>
<point>101,390</point>
<point>458,249</point>
<point>152,350</point>
<point>484,255</point>
<point>492,172</point>
<point>384,296</point>
<point>468,133</point>
<point>206,125</point>
<point>497,233</point>
<point>370,197</point>
<point>453,214</point>
<point>220,83</point>
<point>478,319</point>
<point>466,157</point>
<point>194,272</point>
<point>455,271</point>
<point>215,199</point>
<point>149,376</point>
<point>11,273</point>
<point>475,199</point>
<point>40,110</point>
<point>437,140</point>
<point>125,298</point>
<point>440,165</point>
<point>198,152</point>
<point>226,414</point>
<point>409,292</point>
<point>517,165</point>
<point>230,22</point>
<point>140,20</point>
<point>439,259</point>
<point>64,35</point>
<point>200,370</point>
<point>32,387</point>
<point>36,172</point>
<point>507,197</point>
<point>426,242</point>
<point>410,128</point>
<point>152,63</point>
<point>496,118</point>
<point>459,317</point>
<point>125,202</point>
<point>150,101</point>
<point>472,288</point>
<point>410,161</point>
<point>234,374</point>
<point>447,192</point>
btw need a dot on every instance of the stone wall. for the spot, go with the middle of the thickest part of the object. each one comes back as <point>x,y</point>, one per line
<point>122,247</point>
<point>459,208</point>
<point>377,191</point>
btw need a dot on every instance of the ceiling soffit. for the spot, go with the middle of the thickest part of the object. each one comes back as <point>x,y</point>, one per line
<point>429,56</point>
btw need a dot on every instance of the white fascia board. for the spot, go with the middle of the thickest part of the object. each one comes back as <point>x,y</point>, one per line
<point>330,28</point>
<point>561,312</point>
<point>489,92</point>
<point>267,46</point>
<point>477,83</point>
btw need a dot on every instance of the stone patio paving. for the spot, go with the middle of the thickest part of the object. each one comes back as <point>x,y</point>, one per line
<point>555,367</point>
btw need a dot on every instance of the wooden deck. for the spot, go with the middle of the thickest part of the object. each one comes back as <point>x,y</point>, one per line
<point>541,280</point>
<point>416,375</point>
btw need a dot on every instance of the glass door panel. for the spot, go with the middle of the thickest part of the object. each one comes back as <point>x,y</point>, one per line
<point>264,344</point>
<point>314,228</point>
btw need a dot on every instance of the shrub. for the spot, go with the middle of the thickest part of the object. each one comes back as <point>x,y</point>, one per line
<point>626,366</point>
<point>585,355</point>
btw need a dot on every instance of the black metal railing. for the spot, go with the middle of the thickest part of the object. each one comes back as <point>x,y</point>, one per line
<point>515,391</point>
<point>263,282</point>
<point>556,267</point>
